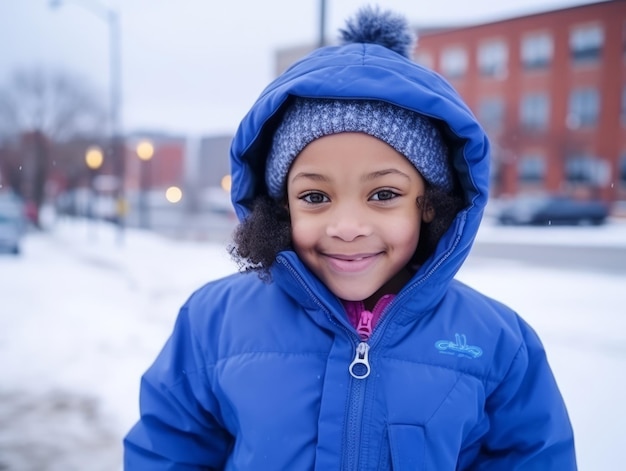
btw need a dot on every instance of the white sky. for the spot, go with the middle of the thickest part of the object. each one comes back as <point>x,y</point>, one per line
<point>196,66</point>
<point>83,317</point>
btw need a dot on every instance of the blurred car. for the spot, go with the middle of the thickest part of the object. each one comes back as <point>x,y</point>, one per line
<point>552,210</point>
<point>12,223</point>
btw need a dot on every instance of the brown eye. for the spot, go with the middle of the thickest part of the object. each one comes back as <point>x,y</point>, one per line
<point>384,195</point>
<point>315,198</point>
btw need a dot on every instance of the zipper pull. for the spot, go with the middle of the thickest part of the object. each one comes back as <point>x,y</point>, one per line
<point>360,366</point>
<point>364,328</point>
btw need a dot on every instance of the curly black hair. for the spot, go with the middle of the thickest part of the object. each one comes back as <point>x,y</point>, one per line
<point>267,230</point>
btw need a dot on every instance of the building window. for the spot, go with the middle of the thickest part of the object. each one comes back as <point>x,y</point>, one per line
<point>537,51</point>
<point>491,113</point>
<point>587,169</point>
<point>532,168</point>
<point>622,170</point>
<point>534,111</point>
<point>454,62</point>
<point>584,108</point>
<point>492,59</point>
<point>586,43</point>
<point>425,59</point>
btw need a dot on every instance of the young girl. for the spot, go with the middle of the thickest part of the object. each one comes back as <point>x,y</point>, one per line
<point>360,179</point>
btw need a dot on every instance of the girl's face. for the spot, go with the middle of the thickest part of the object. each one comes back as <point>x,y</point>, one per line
<point>354,214</point>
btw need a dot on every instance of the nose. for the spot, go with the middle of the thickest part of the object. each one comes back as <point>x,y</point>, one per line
<point>348,222</point>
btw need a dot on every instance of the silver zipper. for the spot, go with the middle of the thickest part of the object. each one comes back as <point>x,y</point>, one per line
<point>360,366</point>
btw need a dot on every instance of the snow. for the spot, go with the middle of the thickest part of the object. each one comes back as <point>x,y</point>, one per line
<point>83,315</point>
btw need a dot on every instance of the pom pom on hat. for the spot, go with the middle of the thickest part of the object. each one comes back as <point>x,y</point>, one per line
<point>386,28</point>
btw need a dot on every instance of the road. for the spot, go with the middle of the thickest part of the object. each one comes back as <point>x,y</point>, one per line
<point>600,259</point>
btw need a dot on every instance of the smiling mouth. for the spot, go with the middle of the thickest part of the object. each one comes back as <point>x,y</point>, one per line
<point>351,263</point>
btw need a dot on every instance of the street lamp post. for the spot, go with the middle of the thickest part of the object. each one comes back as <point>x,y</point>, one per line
<point>145,152</point>
<point>322,24</point>
<point>93,159</point>
<point>116,149</point>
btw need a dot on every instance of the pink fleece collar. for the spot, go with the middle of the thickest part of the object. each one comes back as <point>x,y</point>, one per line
<point>363,320</point>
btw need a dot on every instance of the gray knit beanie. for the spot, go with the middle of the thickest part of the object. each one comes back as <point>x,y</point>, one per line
<point>409,133</point>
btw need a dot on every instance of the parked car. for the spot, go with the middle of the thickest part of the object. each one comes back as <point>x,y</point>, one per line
<point>12,223</point>
<point>552,210</point>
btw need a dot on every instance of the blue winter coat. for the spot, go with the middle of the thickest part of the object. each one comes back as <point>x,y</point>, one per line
<point>255,375</point>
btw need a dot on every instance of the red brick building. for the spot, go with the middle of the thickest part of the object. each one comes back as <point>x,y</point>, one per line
<point>163,169</point>
<point>550,90</point>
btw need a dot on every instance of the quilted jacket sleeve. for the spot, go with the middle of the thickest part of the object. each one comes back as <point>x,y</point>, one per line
<point>529,428</point>
<point>179,426</point>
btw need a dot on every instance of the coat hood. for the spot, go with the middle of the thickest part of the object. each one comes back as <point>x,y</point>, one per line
<point>373,72</point>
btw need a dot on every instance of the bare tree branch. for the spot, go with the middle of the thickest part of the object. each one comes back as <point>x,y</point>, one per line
<point>39,109</point>
<point>57,104</point>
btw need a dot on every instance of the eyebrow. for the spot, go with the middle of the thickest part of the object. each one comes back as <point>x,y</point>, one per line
<point>310,176</point>
<point>382,173</point>
<point>369,177</point>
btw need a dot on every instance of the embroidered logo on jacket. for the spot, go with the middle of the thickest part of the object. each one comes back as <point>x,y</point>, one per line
<point>458,347</point>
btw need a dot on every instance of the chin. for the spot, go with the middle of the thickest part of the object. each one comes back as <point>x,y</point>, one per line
<point>353,294</point>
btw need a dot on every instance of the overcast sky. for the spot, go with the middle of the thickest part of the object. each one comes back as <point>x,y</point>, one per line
<point>196,66</point>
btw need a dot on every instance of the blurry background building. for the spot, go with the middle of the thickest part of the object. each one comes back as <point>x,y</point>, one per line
<point>550,90</point>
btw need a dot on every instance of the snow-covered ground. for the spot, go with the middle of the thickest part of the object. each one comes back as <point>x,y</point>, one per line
<point>82,316</point>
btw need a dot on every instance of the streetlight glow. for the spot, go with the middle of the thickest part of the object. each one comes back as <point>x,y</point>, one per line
<point>94,157</point>
<point>226,183</point>
<point>145,150</point>
<point>173,194</point>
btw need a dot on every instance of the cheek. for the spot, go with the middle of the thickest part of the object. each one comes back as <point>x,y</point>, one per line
<point>404,232</point>
<point>303,233</point>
